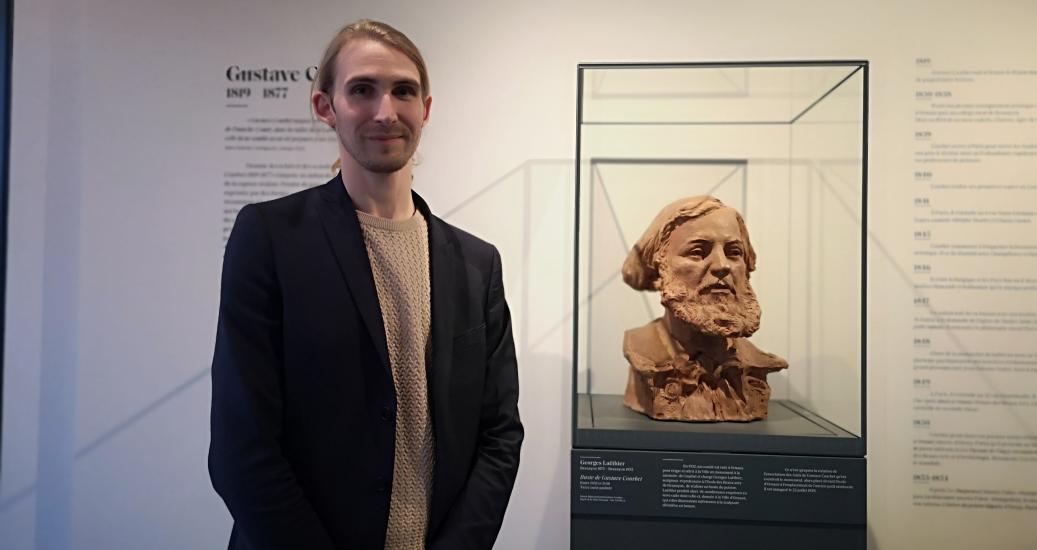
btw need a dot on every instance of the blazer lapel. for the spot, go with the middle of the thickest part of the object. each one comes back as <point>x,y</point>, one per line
<point>338,215</point>
<point>442,266</point>
<point>442,281</point>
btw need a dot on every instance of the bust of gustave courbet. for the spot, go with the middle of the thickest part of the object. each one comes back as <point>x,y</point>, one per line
<point>695,363</point>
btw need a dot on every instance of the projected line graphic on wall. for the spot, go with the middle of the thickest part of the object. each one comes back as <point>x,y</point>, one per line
<point>540,315</point>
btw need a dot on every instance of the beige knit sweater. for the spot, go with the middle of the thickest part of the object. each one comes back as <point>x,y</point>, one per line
<point>400,262</point>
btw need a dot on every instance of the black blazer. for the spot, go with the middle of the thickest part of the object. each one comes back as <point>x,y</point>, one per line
<point>303,405</point>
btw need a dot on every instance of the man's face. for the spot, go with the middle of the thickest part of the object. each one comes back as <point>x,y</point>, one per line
<point>704,279</point>
<point>377,108</point>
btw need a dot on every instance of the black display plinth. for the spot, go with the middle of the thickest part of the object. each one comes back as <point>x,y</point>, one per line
<point>604,423</point>
<point>640,499</point>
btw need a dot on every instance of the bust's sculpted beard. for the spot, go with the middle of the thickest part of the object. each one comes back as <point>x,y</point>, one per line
<point>711,314</point>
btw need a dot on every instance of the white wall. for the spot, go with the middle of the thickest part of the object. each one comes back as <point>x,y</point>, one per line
<point>115,228</point>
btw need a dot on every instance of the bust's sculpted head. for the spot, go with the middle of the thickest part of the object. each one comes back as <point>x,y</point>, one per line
<point>697,253</point>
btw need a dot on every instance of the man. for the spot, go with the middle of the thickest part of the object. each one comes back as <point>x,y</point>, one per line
<point>364,381</point>
<point>694,363</point>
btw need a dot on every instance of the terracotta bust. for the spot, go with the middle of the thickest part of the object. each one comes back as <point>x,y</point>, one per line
<point>695,363</point>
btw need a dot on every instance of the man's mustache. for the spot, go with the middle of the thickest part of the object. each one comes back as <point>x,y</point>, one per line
<point>718,284</point>
<point>386,131</point>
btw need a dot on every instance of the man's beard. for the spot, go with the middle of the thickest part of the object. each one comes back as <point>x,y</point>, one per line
<point>712,314</point>
<point>380,163</point>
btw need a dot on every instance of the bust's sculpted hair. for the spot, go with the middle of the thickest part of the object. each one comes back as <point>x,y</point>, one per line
<point>641,268</point>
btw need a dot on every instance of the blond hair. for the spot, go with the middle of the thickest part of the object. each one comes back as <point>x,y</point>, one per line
<point>373,30</point>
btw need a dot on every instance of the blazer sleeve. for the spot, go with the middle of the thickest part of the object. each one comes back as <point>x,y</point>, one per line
<point>246,463</point>
<point>476,517</point>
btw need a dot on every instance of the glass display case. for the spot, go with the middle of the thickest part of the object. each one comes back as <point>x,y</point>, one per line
<point>784,144</point>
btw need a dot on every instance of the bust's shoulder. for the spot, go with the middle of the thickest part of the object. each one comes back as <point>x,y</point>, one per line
<point>645,341</point>
<point>751,356</point>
